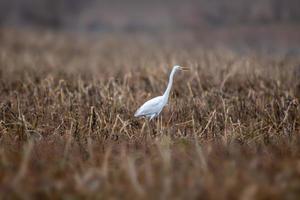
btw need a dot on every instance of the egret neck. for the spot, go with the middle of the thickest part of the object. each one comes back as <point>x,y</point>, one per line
<point>167,92</point>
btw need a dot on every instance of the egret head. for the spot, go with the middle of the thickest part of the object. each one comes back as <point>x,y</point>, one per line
<point>177,68</point>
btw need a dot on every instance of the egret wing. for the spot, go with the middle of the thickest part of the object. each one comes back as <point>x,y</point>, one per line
<point>149,107</point>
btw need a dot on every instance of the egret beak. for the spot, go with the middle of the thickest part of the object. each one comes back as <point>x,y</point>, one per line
<point>185,68</point>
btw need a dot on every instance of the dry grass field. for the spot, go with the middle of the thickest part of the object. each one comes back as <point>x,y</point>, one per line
<point>230,131</point>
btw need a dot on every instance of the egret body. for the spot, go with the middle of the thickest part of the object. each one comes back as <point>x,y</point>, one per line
<point>153,107</point>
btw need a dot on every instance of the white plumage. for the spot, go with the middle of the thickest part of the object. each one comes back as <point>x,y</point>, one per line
<point>153,107</point>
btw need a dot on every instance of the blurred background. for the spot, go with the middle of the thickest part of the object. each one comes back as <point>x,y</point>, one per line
<point>256,23</point>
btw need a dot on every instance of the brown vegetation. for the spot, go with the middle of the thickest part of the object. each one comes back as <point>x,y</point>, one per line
<point>230,131</point>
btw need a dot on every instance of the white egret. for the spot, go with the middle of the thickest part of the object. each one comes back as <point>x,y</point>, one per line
<point>154,106</point>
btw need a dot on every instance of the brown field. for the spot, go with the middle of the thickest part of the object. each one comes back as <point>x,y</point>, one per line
<point>230,131</point>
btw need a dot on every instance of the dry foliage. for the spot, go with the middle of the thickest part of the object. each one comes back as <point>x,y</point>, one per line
<point>230,130</point>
